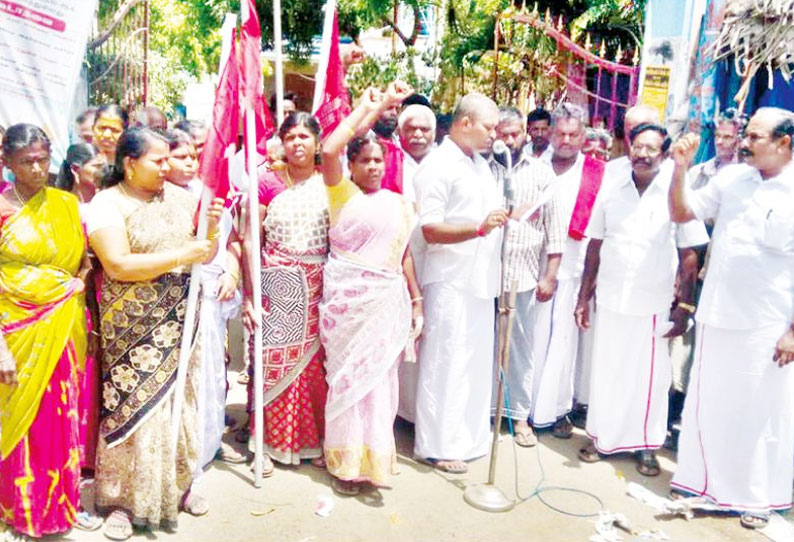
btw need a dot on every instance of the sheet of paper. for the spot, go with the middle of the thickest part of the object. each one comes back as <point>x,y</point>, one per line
<point>544,198</point>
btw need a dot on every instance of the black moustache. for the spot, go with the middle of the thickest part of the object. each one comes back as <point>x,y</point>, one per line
<point>745,153</point>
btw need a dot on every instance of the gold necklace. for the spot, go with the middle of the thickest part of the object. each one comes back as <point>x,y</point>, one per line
<point>22,200</point>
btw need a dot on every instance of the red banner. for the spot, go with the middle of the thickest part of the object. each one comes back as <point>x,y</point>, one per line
<point>336,100</point>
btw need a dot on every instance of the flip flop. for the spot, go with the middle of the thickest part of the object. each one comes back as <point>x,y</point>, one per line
<point>442,465</point>
<point>227,454</point>
<point>268,468</point>
<point>118,526</point>
<point>194,504</point>
<point>345,487</point>
<point>754,521</point>
<point>87,522</point>
<point>525,439</point>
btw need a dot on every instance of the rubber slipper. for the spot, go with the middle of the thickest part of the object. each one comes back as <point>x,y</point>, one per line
<point>194,504</point>
<point>754,521</point>
<point>118,526</point>
<point>525,439</point>
<point>344,487</point>
<point>87,522</point>
<point>227,454</point>
<point>268,468</point>
<point>442,465</point>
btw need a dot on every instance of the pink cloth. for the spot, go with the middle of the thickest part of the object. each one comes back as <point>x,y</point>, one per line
<point>39,480</point>
<point>88,407</point>
<point>393,158</point>
<point>592,175</point>
<point>365,319</point>
<point>270,186</point>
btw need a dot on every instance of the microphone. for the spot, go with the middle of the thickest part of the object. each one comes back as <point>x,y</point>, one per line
<point>499,147</point>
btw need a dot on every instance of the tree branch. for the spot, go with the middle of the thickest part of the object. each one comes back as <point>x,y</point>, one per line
<point>408,41</point>
<point>117,18</point>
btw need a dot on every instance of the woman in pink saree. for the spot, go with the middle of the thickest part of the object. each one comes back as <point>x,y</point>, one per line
<point>366,312</point>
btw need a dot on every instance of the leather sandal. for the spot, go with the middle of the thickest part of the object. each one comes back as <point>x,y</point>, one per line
<point>647,464</point>
<point>118,525</point>
<point>589,454</point>
<point>751,520</point>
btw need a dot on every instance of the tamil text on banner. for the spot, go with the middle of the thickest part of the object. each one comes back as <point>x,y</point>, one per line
<point>656,88</point>
<point>42,46</point>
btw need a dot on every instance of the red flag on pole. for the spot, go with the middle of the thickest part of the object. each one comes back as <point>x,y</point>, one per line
<point>335,104</point>
<point>222,136</point>
<point>251,78</point>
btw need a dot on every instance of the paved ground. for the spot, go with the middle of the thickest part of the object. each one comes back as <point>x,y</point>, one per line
<point>425,505</point>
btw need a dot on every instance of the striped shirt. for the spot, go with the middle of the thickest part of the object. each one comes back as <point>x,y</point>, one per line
<point>542,233</point>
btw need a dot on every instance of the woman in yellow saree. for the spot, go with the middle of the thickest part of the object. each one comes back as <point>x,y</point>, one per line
<point>42,318</point>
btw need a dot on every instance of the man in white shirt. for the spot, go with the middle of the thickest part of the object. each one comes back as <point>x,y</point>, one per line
<point>416,128</point>
<point>727,136</point>
<point>737,435</point>
<point>461,212</point>
<point>632,252</point>
<point>529,238</point>
<point>616,168</point>
<point>556,337</point>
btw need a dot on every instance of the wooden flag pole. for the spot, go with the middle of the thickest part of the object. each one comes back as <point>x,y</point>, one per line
<point>279,62</point>
<point>325,53</point>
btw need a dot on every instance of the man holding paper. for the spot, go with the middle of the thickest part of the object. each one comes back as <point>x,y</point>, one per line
<point>536,228</point>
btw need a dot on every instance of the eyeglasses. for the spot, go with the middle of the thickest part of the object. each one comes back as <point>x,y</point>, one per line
<point>647,149</point>
<point>753,138</point>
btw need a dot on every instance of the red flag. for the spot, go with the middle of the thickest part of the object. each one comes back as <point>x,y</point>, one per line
<point>222,136</point>
<point>335,105</point>
<point>251,78</point>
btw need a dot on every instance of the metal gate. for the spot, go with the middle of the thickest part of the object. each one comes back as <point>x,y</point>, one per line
<point>117,54</point>
<point>610,87</point>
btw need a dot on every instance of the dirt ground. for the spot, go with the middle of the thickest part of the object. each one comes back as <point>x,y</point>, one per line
<point>426,505</point>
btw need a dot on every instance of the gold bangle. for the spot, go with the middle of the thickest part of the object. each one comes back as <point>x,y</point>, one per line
<point>214,235</point>
<point>350,129</point>
<point>687,307</point>
<point>415,299</point>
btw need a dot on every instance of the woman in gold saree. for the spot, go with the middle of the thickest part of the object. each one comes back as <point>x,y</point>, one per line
<point>42,319</point>
<point>142,231</point>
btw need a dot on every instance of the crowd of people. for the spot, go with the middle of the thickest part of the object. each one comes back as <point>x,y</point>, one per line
<point>383,249</point>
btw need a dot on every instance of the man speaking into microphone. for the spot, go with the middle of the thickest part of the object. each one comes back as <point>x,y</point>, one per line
<point>538,228</point>
<point>461,213</point>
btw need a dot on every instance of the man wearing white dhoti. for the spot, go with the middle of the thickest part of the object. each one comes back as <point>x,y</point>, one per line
<point>737,434</point>
<point>556,337</point>
<point>727,136</point>
<point>416,128</point>
<point>631,267</point>
<point>528,238</point>
<point>461,215</point>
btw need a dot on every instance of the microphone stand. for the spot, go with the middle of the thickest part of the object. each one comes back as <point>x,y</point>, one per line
<point>487,497</point>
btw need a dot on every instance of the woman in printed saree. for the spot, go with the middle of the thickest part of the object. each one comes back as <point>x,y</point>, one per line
<point>142,230</point>
<point>42,318</point>
<point>366,313</point>
<point>294,218</point>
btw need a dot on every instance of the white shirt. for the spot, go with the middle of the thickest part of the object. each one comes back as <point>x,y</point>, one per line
<point>750,279</point>
<point>455,189</point>
<point>567,186</point>
<point>638,256</point>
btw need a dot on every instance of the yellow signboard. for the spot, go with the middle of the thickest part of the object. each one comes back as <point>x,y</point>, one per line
<point>655,88</point>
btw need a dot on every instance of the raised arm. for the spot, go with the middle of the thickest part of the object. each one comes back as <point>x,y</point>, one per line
<point>683,152</point>
<point>372,104</point>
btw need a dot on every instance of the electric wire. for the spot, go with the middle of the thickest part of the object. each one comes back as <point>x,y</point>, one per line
<point>540,488</point>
